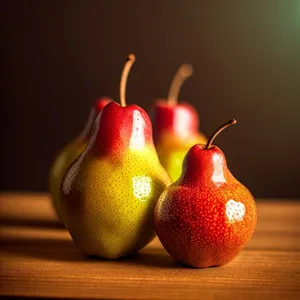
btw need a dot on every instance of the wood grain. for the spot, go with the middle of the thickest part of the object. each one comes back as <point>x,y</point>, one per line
<point>39,259</point>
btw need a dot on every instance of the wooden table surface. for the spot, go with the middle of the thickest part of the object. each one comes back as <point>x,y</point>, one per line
<point>38,258</point>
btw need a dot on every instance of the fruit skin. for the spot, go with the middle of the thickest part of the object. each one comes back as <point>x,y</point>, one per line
<point>69,153</point>
<point>207,216</point>
<point>175,130</point>
<point>109,192</point>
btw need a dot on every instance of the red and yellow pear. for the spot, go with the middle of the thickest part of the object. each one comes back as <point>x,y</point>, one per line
<point>69,153</point>
<point>175,125</point>
<point>109,192</point>
<point>207,216</point>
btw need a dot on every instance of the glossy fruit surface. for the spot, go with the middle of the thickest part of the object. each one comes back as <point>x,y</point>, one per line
<point>110,191</point>
<point>175,130</point>
<point>69,153</point>
<point>207,216</point>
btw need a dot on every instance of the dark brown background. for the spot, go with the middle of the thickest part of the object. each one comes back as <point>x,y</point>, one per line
<point>59,55</point>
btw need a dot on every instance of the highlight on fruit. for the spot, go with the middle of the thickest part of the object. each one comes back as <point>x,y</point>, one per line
<point>115,180</point>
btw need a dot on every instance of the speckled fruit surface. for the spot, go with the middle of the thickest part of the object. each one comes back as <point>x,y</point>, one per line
<point>175,130</point>
<point>63,160</point>
<point>109,193</point>
<point>207,216</point>
<point>69,153</point>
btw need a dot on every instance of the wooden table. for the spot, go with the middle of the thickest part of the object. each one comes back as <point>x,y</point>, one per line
<point>38,258</point>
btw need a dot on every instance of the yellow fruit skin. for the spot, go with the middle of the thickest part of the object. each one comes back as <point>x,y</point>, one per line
<point>171,152</point>
<point>63,160</point>
<point>108,201</point>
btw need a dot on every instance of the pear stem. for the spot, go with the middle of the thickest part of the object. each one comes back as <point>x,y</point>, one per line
<point>184,72</point>
<point>123,83</point>
<point>220,129</point>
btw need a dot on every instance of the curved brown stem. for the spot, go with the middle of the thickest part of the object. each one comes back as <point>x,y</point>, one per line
<point>220,129</point>
<point>184,72</point>
<point>128,64</point>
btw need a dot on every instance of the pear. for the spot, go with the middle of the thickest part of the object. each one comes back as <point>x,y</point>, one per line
<point>69,153</point>
<point>175,125</point>
<point>109,192</point>
<point>207,216</point>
